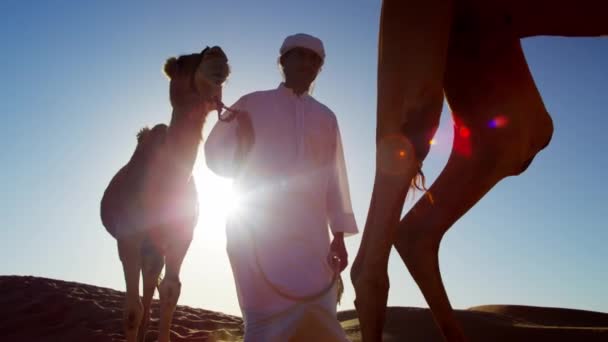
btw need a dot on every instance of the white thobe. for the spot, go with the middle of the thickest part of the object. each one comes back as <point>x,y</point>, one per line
<point>293,186</point>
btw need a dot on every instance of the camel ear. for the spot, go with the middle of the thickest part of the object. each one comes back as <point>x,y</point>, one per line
<point>171,67</point>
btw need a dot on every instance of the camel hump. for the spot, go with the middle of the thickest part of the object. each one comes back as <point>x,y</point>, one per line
<point>157,132</point>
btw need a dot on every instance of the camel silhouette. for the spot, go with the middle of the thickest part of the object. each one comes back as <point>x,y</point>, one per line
<point>151,204</point>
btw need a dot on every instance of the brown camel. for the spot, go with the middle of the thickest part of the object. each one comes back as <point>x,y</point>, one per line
<point>470,51</point>
<point>151,204</point>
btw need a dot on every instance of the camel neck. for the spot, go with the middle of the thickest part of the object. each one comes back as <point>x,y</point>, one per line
<point>190,116</point>
<point>184,137</point>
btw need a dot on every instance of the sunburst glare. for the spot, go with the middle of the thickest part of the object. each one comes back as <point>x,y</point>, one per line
<point>217,200</point>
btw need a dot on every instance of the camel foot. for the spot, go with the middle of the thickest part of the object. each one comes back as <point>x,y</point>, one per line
<point>420,254</point>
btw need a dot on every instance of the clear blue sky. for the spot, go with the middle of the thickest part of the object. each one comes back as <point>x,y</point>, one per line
<point>80,78</point>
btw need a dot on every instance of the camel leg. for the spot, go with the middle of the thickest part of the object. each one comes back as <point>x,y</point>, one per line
<point>129,252</point>
<point>412,50</point>
<point>152,265</point>
<point>501,124</point>
<point>462,183</point>
<point>170,286</point>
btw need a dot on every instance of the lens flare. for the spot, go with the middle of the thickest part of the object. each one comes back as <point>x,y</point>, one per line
<point>498,122</point>
<point>462,139</point>
<point>464,132</point>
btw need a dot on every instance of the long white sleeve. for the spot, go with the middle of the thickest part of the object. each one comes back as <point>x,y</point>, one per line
<point>339,207</point>
<point>220,147</point>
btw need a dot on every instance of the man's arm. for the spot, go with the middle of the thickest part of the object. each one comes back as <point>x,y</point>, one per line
<point>339,208</point>
<point>221,146</point>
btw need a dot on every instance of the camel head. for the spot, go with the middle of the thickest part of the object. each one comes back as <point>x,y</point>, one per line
<point>196,79</point>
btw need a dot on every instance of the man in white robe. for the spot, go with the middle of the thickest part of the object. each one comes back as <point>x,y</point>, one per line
<point>285,154</point>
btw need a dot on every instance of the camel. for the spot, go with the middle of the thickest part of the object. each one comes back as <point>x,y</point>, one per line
<point>470,51</point>
<point>151,204</point>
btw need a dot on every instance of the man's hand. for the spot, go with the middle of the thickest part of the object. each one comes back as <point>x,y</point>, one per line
<point>339,249</point>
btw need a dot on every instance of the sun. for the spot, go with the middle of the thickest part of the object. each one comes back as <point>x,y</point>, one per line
<point>217,200</point>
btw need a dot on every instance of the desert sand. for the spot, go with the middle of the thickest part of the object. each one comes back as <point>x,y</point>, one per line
<point>41,309</point>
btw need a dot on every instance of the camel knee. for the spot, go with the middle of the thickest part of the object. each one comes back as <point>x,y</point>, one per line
<point>539,142</point>
<point>377,285</point>
<point>169,291</point>
<point>402,154</point>
<point>420,133</point>
<point>133,314</point>
<point>370,302</point>
<point>516,148</point>
<point>371,290</point>
<point>505,162</point>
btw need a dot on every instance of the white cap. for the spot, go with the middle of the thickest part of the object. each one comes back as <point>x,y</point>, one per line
<point>303,40</point>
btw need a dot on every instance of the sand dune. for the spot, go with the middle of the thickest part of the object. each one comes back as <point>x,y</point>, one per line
<point>40,309</point>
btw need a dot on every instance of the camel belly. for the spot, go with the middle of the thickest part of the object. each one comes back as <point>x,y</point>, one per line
<point>127,210</point>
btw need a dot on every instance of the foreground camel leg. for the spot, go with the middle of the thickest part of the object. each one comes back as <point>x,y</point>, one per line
<point>170,287</point>
<point>412,51</point>
<point>152,265</point>
<point>501,124</point>
<point>129,252</point>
